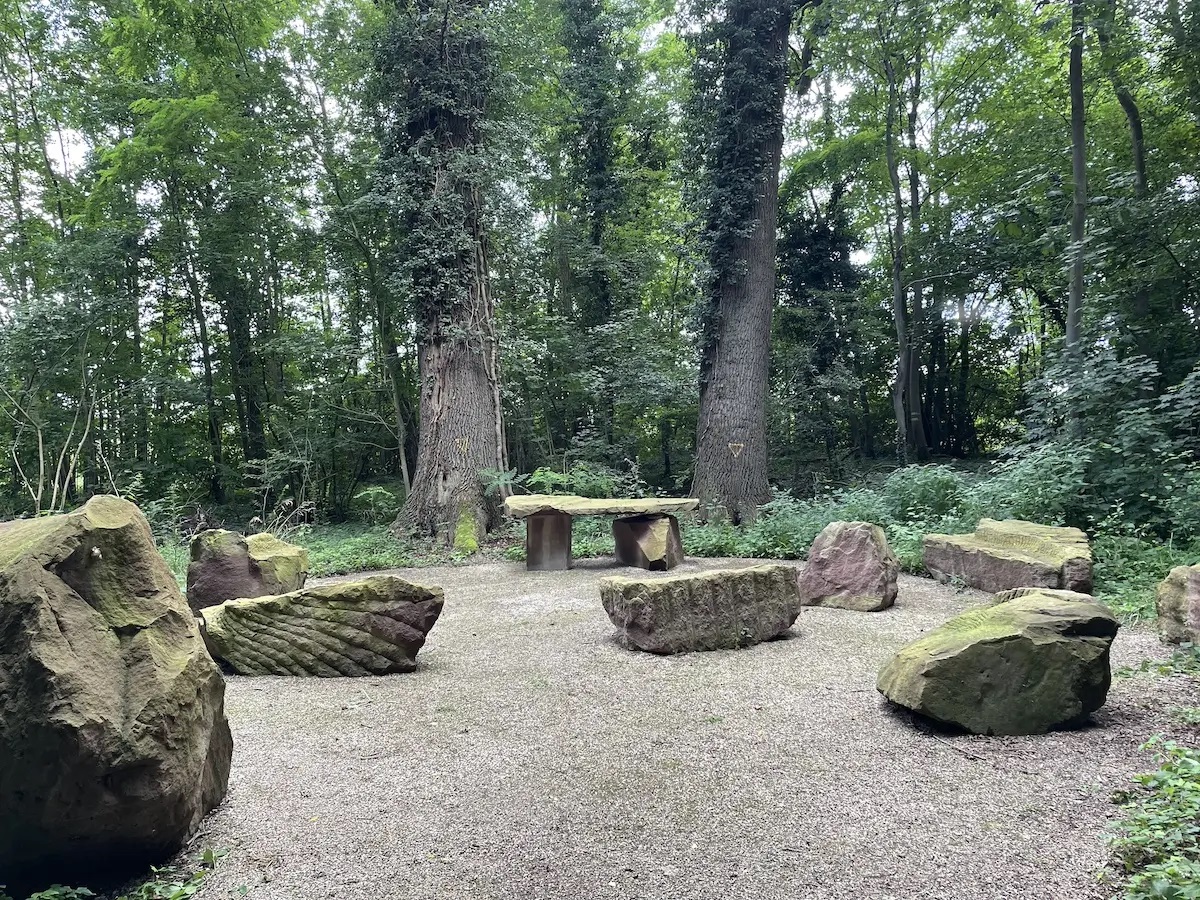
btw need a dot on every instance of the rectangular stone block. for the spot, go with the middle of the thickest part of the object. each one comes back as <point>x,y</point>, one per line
<point>548,542</point>
<point>719,610</point>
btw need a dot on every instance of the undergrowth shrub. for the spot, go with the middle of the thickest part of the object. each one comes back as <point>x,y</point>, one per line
<point>1157,843</point>
<point>585,479</point>
<point>1128,569</point>
<point>341,549</point>
<point>923,493</point>
<point>1040,484</point>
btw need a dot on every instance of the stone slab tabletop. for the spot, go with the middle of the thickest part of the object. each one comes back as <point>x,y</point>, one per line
<point>520,507</point>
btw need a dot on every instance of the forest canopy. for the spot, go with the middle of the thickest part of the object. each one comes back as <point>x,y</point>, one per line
<point>256,253</point>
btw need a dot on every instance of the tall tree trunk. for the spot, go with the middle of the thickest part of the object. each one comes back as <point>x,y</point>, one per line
<point>1079,175</point>
<point>731,439</point>
<point>460,431</point>
<point>216,484</point>
<point>188,265</point>
<point>965,421</point>
<point>900,316</point>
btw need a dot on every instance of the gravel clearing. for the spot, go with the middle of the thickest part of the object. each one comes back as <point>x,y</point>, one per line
<point>532,757</point>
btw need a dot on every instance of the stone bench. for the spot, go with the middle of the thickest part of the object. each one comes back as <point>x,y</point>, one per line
<point>645,532</point>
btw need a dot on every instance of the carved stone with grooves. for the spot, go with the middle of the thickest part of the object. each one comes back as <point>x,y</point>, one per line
<point>719,610</point>
<point>1000,556</point>
<point>369,627</point>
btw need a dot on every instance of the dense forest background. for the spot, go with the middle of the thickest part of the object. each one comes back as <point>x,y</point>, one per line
<point>267,255</point>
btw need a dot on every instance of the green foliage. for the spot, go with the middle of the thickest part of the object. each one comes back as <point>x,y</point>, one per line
<point>1186,715</point>
<point>376,505</point>
<point>1128,569</point>
<point>584,479</point>
<point>342,549</point>
<point>1183,661</point>
<point>923,493</point>
<point>166,882</point>
<point>1157,842</point>
<point>1134,446</point>
<point>1038,483</point>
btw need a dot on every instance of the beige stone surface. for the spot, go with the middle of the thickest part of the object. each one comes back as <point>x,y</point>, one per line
<point>525,505</point>
<point>1178,600</point>
<point>648,542</point>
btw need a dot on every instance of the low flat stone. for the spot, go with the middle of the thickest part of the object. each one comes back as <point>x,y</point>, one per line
<point>648,542</point>
<point>719,610</point>
<point>369,627</point>
<point>519,507</point>
<point>1001,555</point>
<point>850,566</point>
<point>226,566</point>
<point>1023,666</point>
<point>1178,601</point>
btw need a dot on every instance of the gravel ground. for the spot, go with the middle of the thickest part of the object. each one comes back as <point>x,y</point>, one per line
<point>531,757</point>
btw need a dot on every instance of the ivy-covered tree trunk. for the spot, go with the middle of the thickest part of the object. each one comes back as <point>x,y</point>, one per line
<point>436,72</point>
<point>743,207</point>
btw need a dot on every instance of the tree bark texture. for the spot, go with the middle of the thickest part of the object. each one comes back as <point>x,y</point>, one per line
<point>731,441</point>
<point>1079,176</point>
<point>460,428</point>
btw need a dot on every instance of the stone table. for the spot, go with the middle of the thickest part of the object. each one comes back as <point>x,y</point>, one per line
<point>645,532</point>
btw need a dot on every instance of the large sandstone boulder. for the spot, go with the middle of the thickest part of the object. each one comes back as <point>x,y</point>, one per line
<point>113,737</point>
<point>1012,554</point>
<point>850,566</point>
<point>717,610</point>
<point>369,627</point>
<point>648,542</point>
<point>1178,600</point>
<point>227,566</point>
<point>1023,666</point>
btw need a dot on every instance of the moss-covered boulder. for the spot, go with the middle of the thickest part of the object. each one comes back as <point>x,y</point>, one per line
<point>113,737</point>
<point>369,627</point>
<point>226,566</point>
<point>719,610</point>
<point>1001,555</point>
<point>1023,666</point>
<point>850,566</point>
<point>1178,600</point>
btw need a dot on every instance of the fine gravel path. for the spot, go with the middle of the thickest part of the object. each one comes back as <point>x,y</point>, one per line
<point>532,757</point>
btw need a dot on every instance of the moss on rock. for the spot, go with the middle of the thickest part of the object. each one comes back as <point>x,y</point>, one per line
<point>1002,555</point>
<point>1022,666</point>
<point>113,733</point>
<point>369,627</point>
<point>226,566</point>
